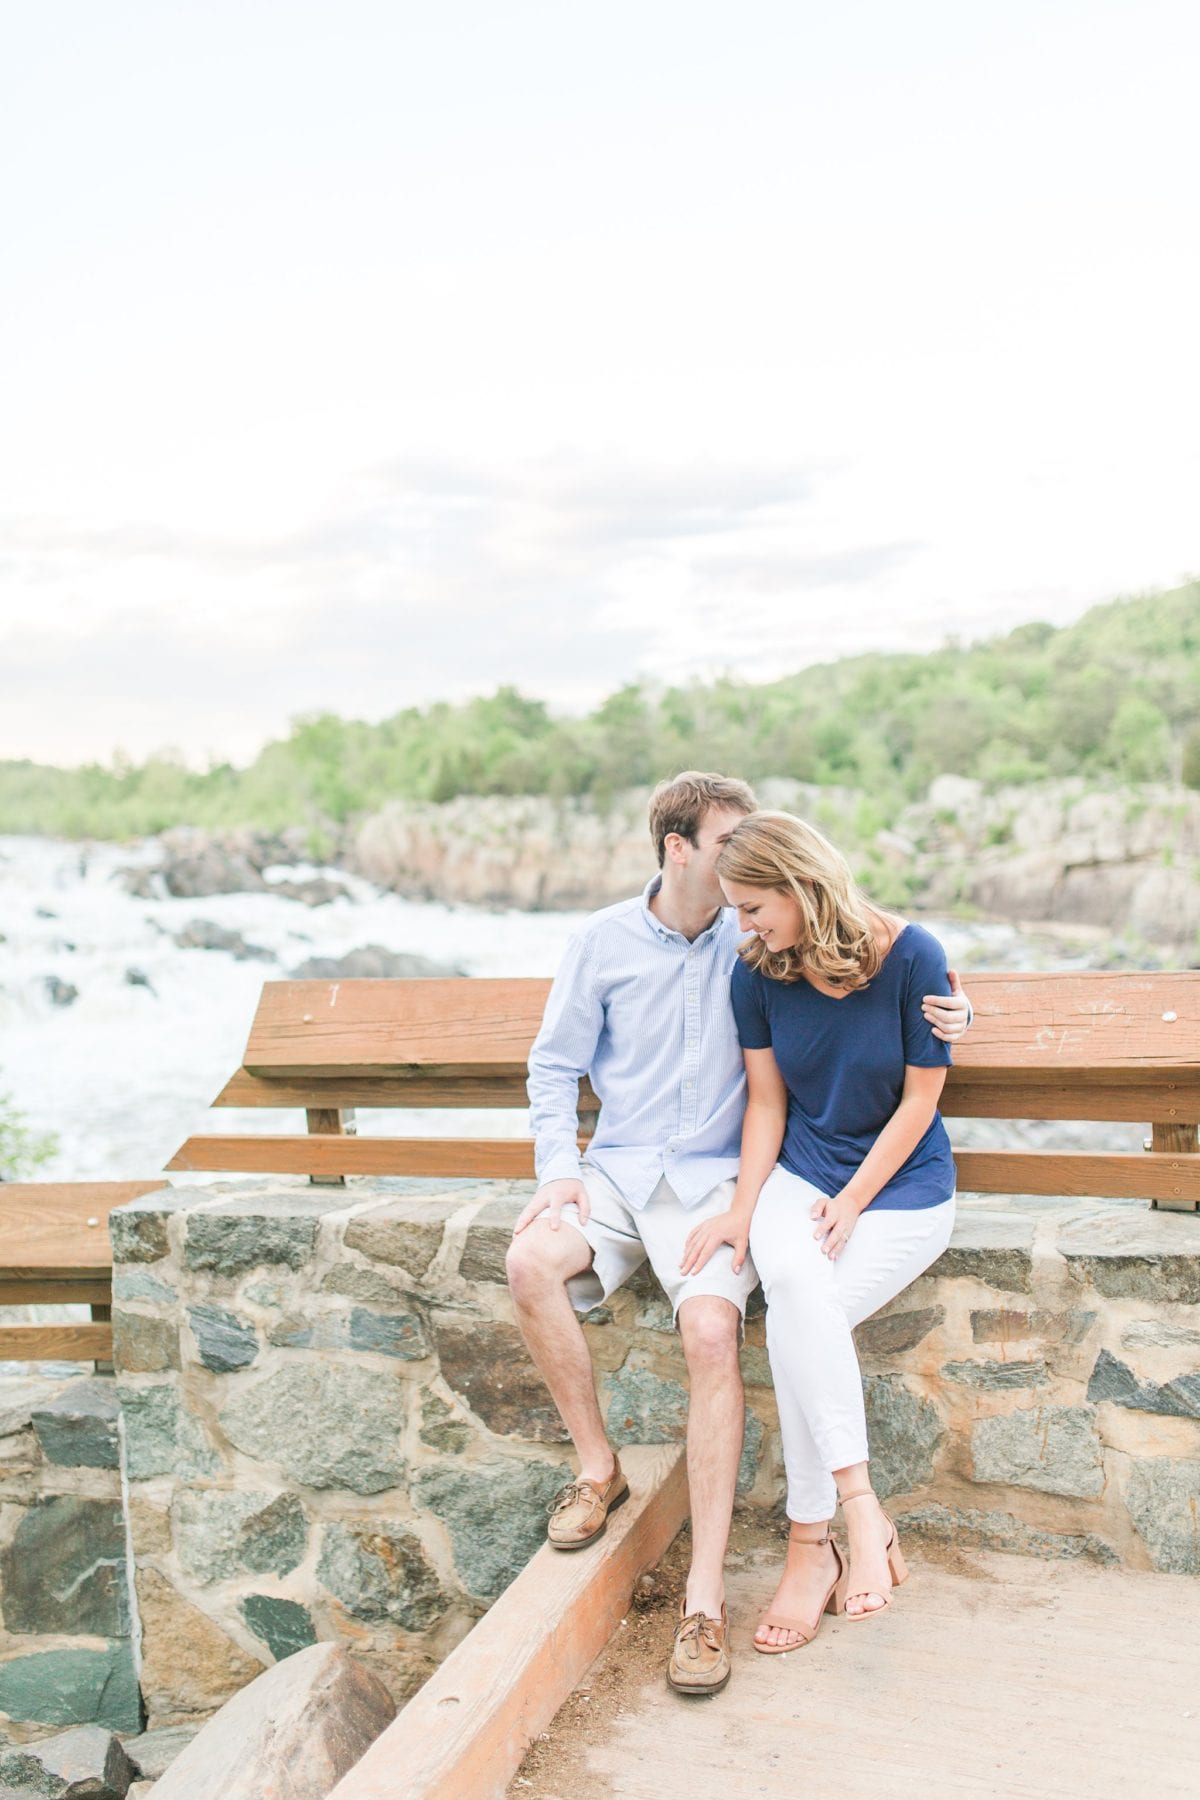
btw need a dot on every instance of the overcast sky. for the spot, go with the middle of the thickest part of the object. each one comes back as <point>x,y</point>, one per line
<point>361,354</point>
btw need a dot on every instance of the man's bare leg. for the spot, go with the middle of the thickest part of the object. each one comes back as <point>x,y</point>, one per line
<point>709,1327</point>
<point>540,1262</point>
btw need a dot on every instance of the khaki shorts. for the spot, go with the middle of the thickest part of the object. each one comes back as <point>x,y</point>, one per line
<point>622,1239</point>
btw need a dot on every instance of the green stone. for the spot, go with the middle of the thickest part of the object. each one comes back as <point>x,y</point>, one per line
<point>1001,1531</point>
<point>752,1443</point>
<point>441,1428</point>
<point>1114,1380</point>
<point>406,1233</point>
<point>160,1437</point>
<point>140,1284</point>
<point>357,1283</point>
<point>904,1431</point>
<point>997,1374</point>
<point>488,1240</point>
<point>65,1569</point>
<point>78,1427</point>
<point>324,1424</point>
<point>228,1244</point>
<point>379,1571</point>
<point>896,1332</point>
<point>644,1408</point>
<point>73,1687</point>
<point>217,1533</point>
<point>388,1334</point>
<point>138,1233</point>
<point>495,1513</point>
<point>1161,1497</point>
<point>1054,1449</point>
<point>284,1626</point>
<point>224,1342</point>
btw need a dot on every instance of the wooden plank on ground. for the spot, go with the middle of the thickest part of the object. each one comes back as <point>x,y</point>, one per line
<point>464,1733</point>
<point>477,1158</point>
<point>457,1026</point>
<point>1150,1176</point>
<point>55,1343</point>
<point>61,1228</point>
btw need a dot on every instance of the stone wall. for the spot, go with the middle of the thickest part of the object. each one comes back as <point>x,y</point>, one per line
<point>66,1650</point>
<point>332,1429</point>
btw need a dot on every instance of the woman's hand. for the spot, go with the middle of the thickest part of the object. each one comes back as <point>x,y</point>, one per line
<point>726,1228</point>
<point>836,1219</point>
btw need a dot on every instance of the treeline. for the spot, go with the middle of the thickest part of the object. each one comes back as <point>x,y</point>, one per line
<point>1116,695</point>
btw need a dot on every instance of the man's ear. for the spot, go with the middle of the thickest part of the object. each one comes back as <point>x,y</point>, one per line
<point>675,846</point>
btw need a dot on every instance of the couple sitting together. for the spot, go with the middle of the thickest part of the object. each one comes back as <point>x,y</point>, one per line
<point>769,1112</point>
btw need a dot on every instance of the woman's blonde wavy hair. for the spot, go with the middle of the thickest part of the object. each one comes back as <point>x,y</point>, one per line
<point>776,850</point>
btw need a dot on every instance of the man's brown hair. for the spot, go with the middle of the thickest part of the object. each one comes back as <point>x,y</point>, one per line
<point>681,803</point>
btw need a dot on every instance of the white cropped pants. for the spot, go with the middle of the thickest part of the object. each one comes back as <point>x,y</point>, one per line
<point>812,1306</point>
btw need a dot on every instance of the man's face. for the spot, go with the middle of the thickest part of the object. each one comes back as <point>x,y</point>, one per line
<point>711,837</point>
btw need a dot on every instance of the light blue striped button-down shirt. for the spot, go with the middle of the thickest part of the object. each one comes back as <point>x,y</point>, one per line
<point>647,1015</point>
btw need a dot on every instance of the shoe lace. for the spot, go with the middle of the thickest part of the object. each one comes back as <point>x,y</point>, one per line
<point>700,1626</point>
<point>568,1495</point>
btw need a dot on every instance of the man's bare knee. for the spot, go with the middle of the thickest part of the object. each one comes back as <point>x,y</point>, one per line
<point>709,1327</point>
<point>541,1258</point>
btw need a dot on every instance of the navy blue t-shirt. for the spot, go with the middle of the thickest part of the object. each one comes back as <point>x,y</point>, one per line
<point>843,1064</point>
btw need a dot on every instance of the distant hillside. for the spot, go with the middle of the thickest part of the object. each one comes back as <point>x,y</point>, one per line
<point>1115,696</point>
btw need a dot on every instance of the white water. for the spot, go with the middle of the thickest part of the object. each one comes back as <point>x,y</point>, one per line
<point>123,1074</point>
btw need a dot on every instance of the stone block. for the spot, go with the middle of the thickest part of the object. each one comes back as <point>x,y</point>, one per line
<point>138,1231</point>
<point>752,1444</point>
<point>296,1730</point>
<point>1158,1334</point>
<point>893,1333</point>
<point>150,1526</point>
<point>357,1283</point>
<point>189,1665</point>
<point>488,1365</point>
<point>1129,1252</point>
<point>284,1626</point>
<point>441,1428</point>
<point>399,1334</point>
<point>73,1687</point>
<point>140,1284</point>
<point>20,1400</point>
<point>324,1424</point>
<point>379,1571</point>
<point>85,1763</point>
<point>143,1344</point>
<point>1113,1380</point>
<point>64,1569</point>
<point>161,1437</point>
<point>904,1432</point>
<point>997,1375</point>
<point>153,1752</point>
<point>495,1513</point>
<point>1055,1449</point>
<point>1001,1531</point>
<point>218,1533</point>
<point>992,1247</point>
<point>644,1408</point>
<point>1005,1324</point>
<point>488,1239</point>
<point>406,1233</point>
<point>223,1341</point>
<point>1161,1495</point>
<point>230,1243</point>
<point>77,1427</point>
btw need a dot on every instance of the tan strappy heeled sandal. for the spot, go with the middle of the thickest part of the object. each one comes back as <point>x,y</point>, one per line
<point>834,1602</point>
<point>897,1567</point>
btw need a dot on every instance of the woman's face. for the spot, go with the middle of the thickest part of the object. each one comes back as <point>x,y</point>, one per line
<point>772,916</point>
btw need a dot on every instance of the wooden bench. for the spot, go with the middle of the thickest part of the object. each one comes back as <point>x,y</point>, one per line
<point>1088,1046</point>
<point>54,1249</point>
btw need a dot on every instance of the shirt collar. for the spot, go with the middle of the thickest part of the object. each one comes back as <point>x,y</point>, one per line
<point>652,887</point>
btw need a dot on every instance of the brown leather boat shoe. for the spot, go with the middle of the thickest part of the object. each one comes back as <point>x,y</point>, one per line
<point>579,1512</point>
<point>699,1660</point>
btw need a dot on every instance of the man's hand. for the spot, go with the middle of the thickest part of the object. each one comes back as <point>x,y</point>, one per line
<point>727,1228</point>
<point>949,1015</point>
<point>552,1198</point>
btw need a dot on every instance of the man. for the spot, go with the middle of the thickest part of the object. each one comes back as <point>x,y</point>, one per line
<point>641,1004</point>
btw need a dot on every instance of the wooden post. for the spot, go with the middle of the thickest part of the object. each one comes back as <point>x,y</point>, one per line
<point>101,1315</point>
<point>1175,1140</point>
<point>330,1121</point>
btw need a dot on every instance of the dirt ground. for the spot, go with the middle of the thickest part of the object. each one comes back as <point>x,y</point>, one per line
<point>992,1678</point>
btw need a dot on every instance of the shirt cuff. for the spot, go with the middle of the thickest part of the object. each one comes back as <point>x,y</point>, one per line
<point>563,1165</point>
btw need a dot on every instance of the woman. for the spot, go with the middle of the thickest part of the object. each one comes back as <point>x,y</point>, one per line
<point>846,1187</point>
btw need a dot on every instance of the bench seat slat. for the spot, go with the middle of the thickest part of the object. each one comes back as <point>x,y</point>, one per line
<point>56,1290</point>
<point>56,1343</point>
<point>44,1226</point>
<point>1149,1176</point>
<point>509,1158</point>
